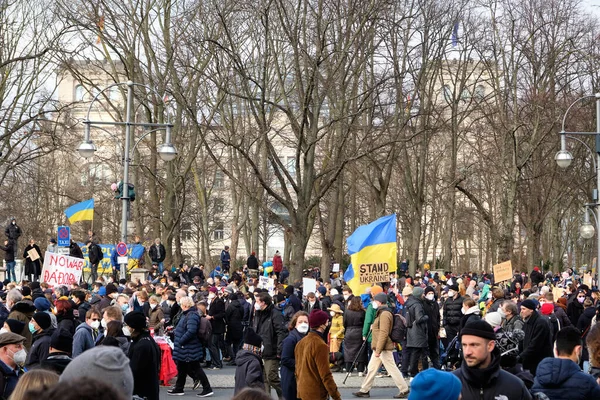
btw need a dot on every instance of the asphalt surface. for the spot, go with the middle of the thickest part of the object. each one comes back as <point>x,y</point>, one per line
<point>222,382</point>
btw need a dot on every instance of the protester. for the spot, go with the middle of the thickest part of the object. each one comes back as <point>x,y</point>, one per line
<point>354,319</point>
<point>432,310</point>
<point>40,327</point>
<point>416,336</point>
<point>145,357</point>
<point>249,370</point>
<point>268,324</point>
<point>315,380</point>
<point>382,347</point>
<point>298,328</point>
<point>61,345</point>
<point>33,380</point>
<point>216,316</point>
<point>34,258</point>
<point>434,384</point>
<point>234,316</point>
<point>86,333</point>
<point>21,310</point>
<point>480,372</point>
<point>452,313</point>
<point>593,344</point>
<point>537,343</point>
<point>12,359</point>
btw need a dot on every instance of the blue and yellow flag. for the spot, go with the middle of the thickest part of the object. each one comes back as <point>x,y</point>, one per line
<point>83,211</point>
<point>373,253</point>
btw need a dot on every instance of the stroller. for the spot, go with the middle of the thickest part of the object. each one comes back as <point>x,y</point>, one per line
<point>451,356</point>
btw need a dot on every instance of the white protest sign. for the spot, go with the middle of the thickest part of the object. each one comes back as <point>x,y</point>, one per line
<point>308,285</point>
<point>336,267</point>
<point>61,270</point>
<point>271,287</point>
<point>263,282</point>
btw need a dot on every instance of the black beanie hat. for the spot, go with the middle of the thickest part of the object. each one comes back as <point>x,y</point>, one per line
<point>43,319</point>
<point>62,340</point>
<point>428,289</point>
<point>136,320</point>
<point>15,326</point>
<point>251,338</point>
<point>26,291</point>
<point>479,328</point>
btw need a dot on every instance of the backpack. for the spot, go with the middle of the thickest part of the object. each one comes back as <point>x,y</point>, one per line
<point>554,326</point>
<point>99,253</point>
<point>399,328</point>
<point>204,330</point>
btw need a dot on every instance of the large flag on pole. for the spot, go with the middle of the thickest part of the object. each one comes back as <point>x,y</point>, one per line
<point>373,253</point>
<point>83,211</point>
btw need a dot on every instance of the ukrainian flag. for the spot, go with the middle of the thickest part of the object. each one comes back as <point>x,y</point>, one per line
<point>83,211</point>
<point>373,253</point>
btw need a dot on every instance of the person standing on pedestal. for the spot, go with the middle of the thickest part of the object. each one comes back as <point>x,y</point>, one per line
<point>13,232</point>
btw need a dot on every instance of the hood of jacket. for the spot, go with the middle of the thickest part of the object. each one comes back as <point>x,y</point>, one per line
<point>473,310</point>
<point>244,357</point>
<point>554,372</point>
<point>589,312</point>
<point>24,306</point>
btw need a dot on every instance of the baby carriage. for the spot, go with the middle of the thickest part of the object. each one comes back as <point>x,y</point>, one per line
<point>451,356</point>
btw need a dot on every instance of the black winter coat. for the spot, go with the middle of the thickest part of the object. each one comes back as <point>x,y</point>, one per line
<point>9,249</point>
<point>288,365</point>
<point>452,312</point>
<point>416,335</point>
<point>536,278</point>
<point>432,310</point>
<point>144,359</point>
<point>268,324</point>
<point>563,379</point>
<point>12,231</point>
<point>33,267</point>
<point>252,262</point>
<point>562,316</point>
<point>217,311</point>
<point>234,316</point>
<point>490,383</point>
<point>574,311</point>
<point>75,250</point>
<point>40,348</point>
<point>153,253</point>
<point>56,362</point>
<point>537,344</point>
<point>249,371</point>
<point>353,325</point>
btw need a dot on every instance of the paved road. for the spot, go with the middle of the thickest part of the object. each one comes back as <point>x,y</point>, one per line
<point>222,382</point>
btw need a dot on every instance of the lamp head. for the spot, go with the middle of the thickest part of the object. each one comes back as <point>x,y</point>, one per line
<point>167,152</point>
<point>86,149</point>
<point>563,158</point>
<point>586,230</point>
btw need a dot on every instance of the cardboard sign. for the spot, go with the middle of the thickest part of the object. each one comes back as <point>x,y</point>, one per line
<point>558,293</point>
<point>33,255</point>
<point>336,267</point>
<point>587,279</point>
<point>308,285</point>
<point>503,271</point>
<point>61,270</point>
<point>374,273</point>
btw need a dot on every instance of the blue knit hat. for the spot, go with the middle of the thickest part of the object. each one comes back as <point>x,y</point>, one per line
<point>435,384</point>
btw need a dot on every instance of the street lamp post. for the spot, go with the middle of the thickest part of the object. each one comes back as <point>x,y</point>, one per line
<point>87,148</point>
<point>564,158</point>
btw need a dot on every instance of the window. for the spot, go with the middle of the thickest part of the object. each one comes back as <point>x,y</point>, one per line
<point>219,205</point>
<point>219,233</point>
<point>79,93</point>
<point>186,231</point>
<point>219,179</point>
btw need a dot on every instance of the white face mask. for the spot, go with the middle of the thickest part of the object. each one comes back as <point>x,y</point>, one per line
<point>211,296</point>
<point>141,303</point>
<point>249,301</point>
<point>312,303</point>
<point>257,306</point>
<point>153,305</point>
<point>302,328</point>
<point>126,331</point>
<point>451,293</point>
<point>332,313</point>
<point>3,330</point>
<point>430,296</point>
<point>346,296</point>
<point>95,324</point>
<point>104,323</point>
<point>375,305</point>
<point>19,357</point>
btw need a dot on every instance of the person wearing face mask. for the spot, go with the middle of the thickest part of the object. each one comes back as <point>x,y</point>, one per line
<point>575,307</point>
<point>216,316</point>
<point>12,358</point>
<point>157,317</point>
<point>315,380</point>
<point>432,310</point>
<point>311,303</point>
<point>298,329</point>
<point>354,319</point>
<point>80,304</point>
<point>234,314</point>
<point>537,343</point>
<point>40,327</point>
<point>336,331</point>
<point>86,333</point>
<point>452,313</point>
<point>470,312</point>
<point>144,355</point>
<point>560,377</point>
<point>348,296</point>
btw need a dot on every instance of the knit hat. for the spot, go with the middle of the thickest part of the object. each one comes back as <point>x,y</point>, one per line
<point>478,328</point>
<point>212,289</point>
<point>136,320</point>
<point>547,308</point>
<point>289,289</point>
<point>106,363</point>
<point>407,291</point>
<point>42,319</point>
<point>454,287</point>
<point>428,289</point>
<point>251,338</point>
<point>111,288</point>
<point>26,291</point>
<point>530,304</point>
<point>435,384</point>
<point>102,291</point>
<point>480,285</point>
<point>376,289</point>
<point>493,318</point>
<point>62,340</point>
<point>322,290</point>
<point>317,318</point>
<point>417,291</point>
<point>381,297</point>
<point>42,304</point>
<point>15,326</point>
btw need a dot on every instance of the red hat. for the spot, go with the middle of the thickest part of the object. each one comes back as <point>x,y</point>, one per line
<point>212,289</point>
<point>536,269</point>
<point>317,318</point>
<point>547,308</point>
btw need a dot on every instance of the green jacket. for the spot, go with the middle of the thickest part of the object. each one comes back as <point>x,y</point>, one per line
<point>369,318</point>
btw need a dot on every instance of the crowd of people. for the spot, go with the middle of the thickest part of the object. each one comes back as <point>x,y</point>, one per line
<point>435,335</point>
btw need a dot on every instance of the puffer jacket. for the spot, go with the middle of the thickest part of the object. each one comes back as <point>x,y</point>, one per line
<point>381,328</point>
<point>452,312</point>
<point>248,371</point>
<point>416,335</point>
<point>268,324</point>
<point>491,383</point>
<point>187,346</point>
<point>560,378</point>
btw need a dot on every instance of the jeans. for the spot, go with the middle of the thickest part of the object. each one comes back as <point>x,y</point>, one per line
<point>272,379</point>
<point>10,269</point>
<point>193,369</point>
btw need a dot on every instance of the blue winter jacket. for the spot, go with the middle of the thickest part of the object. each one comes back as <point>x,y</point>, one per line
<point>559,378</point>
<point>288,365</point>
<point>187,346</point>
